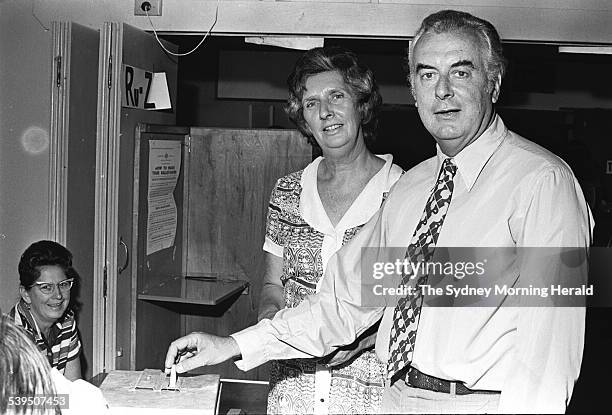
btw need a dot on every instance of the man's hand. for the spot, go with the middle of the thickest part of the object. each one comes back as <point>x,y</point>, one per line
<point>200,349</point>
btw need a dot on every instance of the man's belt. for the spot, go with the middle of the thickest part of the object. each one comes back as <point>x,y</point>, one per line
<point>417,379</point>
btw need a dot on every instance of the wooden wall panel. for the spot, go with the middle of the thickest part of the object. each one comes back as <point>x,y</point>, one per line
<point>231,175</point>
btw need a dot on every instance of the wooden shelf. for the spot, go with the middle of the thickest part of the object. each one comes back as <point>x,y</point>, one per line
<point>202,289</point>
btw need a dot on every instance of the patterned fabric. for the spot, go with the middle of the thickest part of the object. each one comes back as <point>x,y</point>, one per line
<point>355,387</point>
<point>63,343</point>
<point>421,249</point>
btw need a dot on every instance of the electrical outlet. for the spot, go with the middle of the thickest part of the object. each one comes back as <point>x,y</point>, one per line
<point>141,5</point>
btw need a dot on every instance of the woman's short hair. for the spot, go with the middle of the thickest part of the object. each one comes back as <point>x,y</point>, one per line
<point>446,21</point>
<point>43,253</point>
<point>24,372</point>
<point>355,74</point>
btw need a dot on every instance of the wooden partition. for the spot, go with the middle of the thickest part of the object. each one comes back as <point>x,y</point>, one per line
<point>230,179</point>
<point>210,279</point>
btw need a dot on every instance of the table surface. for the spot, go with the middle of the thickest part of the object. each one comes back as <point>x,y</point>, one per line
<point>249,396</point>
<point>197,394</point>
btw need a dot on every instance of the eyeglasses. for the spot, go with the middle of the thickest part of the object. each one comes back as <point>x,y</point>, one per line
<point>48,287</point>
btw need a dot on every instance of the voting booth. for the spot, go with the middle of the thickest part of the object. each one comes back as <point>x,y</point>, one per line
<point>199,213</point>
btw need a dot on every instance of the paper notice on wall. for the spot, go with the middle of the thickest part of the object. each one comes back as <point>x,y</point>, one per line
<point>164,168</point>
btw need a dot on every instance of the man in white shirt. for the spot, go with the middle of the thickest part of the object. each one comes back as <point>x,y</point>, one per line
<point>498,190</point>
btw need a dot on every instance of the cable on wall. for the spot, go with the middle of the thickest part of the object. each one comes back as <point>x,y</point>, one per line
<point>38,20</point>
<point>197,46</point>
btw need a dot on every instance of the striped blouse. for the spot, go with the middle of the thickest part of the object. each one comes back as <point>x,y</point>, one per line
<point>63,343</point>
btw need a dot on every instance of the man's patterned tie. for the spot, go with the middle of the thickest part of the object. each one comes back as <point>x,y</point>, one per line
<point>421,249</point>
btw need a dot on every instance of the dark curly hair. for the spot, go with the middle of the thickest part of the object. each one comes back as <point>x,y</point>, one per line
<point>43,253</point>
<point>357,76</point>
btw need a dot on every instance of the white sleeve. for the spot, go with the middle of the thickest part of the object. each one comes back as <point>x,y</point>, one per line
<point>549,339</point>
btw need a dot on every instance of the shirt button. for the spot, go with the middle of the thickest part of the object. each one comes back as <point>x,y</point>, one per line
<point>322,400</point>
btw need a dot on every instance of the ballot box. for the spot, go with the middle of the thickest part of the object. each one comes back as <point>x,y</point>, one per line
<point>149,392</point>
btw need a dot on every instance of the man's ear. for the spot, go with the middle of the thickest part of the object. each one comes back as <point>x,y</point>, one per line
<point>496,87</point>
<point>25,295</point>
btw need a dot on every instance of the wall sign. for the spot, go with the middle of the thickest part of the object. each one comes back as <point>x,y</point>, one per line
<point>144,89</point>
<point>164,169</point>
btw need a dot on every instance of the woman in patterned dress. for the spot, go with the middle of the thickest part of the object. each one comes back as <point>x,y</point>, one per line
<point>333,100</point>
<point>46,277</point>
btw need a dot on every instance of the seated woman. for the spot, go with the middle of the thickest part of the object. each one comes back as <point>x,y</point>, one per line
<point>334,101</point>
<point>46,277</point>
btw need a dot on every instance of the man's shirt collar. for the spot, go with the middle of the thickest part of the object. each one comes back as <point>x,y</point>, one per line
<point>471,160</point>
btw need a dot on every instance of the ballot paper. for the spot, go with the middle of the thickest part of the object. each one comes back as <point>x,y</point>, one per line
<point>172,384</point>
<point>149,392</point>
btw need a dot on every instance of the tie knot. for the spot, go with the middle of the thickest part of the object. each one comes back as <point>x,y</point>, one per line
<point>448,170</point>
<point>449,166</point>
